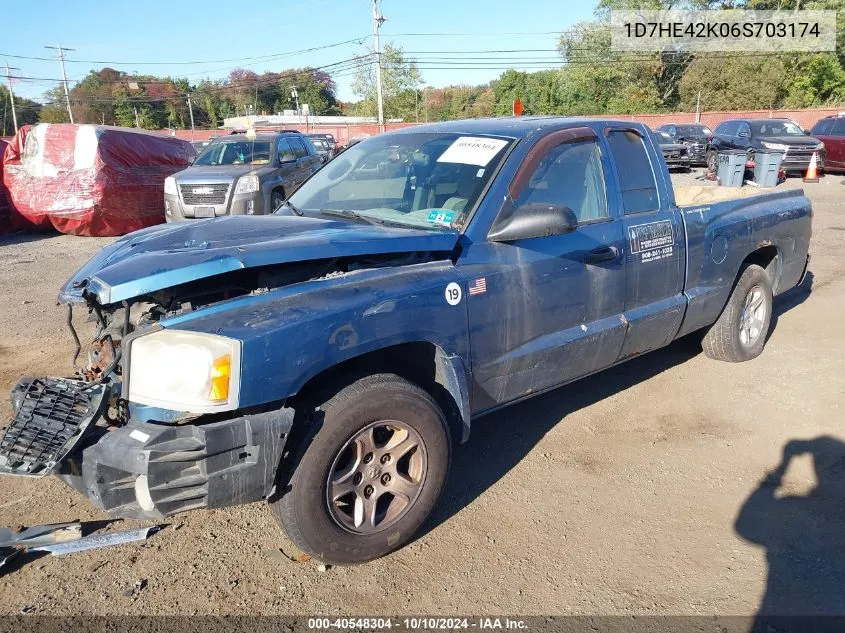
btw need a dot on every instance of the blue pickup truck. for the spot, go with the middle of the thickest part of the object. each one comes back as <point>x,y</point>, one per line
<point>325,358</point>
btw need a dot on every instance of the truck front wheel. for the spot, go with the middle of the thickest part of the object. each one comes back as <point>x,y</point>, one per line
<point>369,471</point>
<point>740,332</point>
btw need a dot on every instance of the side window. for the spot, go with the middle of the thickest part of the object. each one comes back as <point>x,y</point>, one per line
<point>838,127</point>
<point>671,131</point>
<point>570,175</point>
<point>285,151</point>
<point>824,126</point>
<point>298,147</point>
<point>636,178</point>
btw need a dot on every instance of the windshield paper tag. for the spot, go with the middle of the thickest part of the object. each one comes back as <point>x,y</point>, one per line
<point>443,218</point>
<point>472,150</point>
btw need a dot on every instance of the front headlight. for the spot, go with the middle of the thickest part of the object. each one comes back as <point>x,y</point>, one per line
<point>776,146</point>
<point>185,371</point>
<point>247,184</point>
<point>170,186</point>
<point>818,147</point>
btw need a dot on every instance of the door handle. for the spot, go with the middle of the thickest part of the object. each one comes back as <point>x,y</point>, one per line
<point>601,254</point>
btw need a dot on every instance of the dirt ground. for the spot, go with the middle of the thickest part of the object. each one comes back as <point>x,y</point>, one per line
<point>617,495</point>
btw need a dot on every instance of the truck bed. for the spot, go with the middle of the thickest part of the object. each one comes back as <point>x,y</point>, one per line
<point>693,195</point>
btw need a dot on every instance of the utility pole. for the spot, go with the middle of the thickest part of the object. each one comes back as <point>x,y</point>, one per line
<point>11,98</point>
<point>698,108</point>
<point>61,52</point>
<point>378,20</point>
<point>137,122</point>
<point>191,110</point>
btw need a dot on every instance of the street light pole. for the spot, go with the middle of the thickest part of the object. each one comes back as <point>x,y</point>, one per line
<point>378,20</point>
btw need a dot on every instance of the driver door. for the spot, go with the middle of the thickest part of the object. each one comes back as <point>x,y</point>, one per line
<point>551,307</point>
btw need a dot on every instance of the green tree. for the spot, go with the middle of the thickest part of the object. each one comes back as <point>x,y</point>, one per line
<point>26,110</point>
<point>400,80</point>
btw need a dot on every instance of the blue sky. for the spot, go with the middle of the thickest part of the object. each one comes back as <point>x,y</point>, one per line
<point>136,34</point>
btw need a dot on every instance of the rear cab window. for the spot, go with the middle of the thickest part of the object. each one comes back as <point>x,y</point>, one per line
<point>838,128</point>
<point>634,170</point>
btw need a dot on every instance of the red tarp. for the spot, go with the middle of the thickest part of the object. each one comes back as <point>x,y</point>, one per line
<point>91,179</point>
<point>5,220</point>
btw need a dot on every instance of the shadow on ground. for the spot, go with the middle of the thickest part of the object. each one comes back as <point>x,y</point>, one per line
<point>803,536</point>
<point>501,440</point>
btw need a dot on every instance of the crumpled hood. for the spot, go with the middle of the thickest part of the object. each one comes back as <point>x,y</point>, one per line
<point>171,254</point>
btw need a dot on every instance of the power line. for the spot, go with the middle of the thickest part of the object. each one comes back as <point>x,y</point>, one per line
<point>267,57</point>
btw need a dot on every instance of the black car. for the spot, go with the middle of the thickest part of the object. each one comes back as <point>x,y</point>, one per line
<point>780,135</point>
<point>329,138</point>
<point>694,136</point>
<point>675,154</point>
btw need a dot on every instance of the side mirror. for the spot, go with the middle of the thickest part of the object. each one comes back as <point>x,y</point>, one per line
<point>532,220</point>
<point>288,157</point>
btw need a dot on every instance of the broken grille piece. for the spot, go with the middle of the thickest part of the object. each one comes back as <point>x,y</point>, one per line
<point>51,416</point>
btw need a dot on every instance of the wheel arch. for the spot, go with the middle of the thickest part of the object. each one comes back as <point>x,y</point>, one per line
<point>767,257</point>
<point>423,363</point>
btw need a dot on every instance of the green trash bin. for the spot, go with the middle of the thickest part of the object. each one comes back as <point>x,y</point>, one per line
<point>766,167</point>
<point>730,167</point>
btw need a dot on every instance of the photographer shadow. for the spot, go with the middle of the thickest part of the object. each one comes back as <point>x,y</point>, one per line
<point>804,537</point>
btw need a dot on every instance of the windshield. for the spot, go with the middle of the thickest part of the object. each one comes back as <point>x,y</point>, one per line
<point>664,138</point>
<point>693,130</point>
<point>320,143</point>
<point>775,128</point>
<point>424,180</point>
<point>235,153</point>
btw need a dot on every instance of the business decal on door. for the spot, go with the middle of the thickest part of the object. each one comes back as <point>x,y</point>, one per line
<point>653,241</point>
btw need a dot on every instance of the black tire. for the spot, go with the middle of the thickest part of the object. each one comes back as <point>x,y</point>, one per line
<point>277,197</point>
<point>712,161</point>
<point>727,339</point>
<point>304,510</point>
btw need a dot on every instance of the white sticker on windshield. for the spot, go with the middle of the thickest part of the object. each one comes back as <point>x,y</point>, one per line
<point>472,150</point>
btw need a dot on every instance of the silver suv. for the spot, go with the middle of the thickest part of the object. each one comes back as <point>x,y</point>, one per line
<point>241,175</point>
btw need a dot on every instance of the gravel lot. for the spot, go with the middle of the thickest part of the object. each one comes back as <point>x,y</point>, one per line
<point>617,495</point>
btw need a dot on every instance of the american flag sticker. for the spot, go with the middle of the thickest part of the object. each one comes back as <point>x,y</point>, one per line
<point>477,287</point>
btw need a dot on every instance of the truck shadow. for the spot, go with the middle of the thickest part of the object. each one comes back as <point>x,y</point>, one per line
<point>501,440</point>
<point>802,535</point>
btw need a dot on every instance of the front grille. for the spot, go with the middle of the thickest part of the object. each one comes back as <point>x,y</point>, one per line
<point>51,416</point>
<point>204,194</point>
<point>795,154</point>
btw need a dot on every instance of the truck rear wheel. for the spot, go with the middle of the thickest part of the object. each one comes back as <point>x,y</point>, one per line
<point>740,332</point>
<point>368,473</point>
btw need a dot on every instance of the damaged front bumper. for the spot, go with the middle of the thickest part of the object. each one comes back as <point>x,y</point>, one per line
<point>141,470</point>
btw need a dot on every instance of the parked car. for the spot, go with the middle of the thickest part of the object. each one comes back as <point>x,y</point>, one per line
<point>772,134</point>
<point>694,136</point>
<point>831,131</point>
<point>241,175</point>
<point>323,147</point>
<point>328,138</point>
<point>675,154</point>
<point>327,357</point>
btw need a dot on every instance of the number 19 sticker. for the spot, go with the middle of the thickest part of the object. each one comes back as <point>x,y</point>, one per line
<point>453,294</point>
